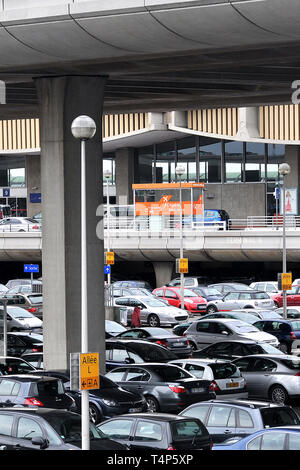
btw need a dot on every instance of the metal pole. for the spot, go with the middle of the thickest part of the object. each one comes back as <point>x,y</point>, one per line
<point>181,245</point>
<point>4,327</point>
<point>108,225</point>
<point>283,248</point>
<point>31,281</point>
<point>85,419</point>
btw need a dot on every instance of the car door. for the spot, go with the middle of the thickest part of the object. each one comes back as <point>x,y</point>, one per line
<point>172,297</point>
<point>219,331</point>
<point>297,295</point>
<point>6,430</point>
<point>244,423</point>
<point>118,429</point>
<point>230,302</point>
<point>27,429</point>
<point>262,376</point>
<point>221,422</point>
<point>204,334</point>
<point>149,434</point>
<point>136,380</point>
<point>245,365</point>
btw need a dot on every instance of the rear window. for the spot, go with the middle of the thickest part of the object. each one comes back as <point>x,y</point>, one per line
<point>273,417</point>
<point>35,299</point>
<point>187,430</point>
<point>293,364</point>
<point>46,388</point>
<point>153,353</point>
<point>224,371</point>
<point>261,295</point>
<point>171,373</point>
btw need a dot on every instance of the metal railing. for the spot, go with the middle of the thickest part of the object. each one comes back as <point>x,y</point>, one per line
<point>265,223</point>
<point>32,228</point>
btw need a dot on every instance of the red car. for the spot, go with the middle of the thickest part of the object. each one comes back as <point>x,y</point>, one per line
<point>192,301</point>
<point>292,297</point>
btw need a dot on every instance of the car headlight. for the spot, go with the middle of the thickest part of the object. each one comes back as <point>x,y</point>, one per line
<point>110,402</point>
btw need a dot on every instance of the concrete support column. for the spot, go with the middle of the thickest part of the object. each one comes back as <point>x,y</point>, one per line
<point>163,272</point>
<point>124,175</point>
<point>61,100</point>
<point>33,183</point>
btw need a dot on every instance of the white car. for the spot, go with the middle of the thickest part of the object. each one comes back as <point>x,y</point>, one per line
<point>19,224</point>
<point>226,379</point>
<point>19,319</point>
<point>202,333</point>
<point>271,287</point>
<point>241,300</point>
<point>153,311</point>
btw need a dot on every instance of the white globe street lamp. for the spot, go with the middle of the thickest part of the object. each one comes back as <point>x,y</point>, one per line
<point>107,175</point>
<point>179,170</point>
<point>84,128</point>
<point>284,169</point>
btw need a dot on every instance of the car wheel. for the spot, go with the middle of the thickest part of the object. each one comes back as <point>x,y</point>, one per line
<point>94,413</point>
<point>248,306</point>
<point>153,320</point>
<point>21,230</point>
<point>278,394</point>
<point>152,404</point>
<point>284,348</point>
<point>211,309</point>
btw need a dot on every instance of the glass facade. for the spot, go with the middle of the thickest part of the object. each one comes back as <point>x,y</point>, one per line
<point>210,160</point>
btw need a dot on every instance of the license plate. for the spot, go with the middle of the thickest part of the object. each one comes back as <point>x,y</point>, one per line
<point>178,344</point>
<point>134,410</point>
<point>232,384</point>
<point>197,390</point>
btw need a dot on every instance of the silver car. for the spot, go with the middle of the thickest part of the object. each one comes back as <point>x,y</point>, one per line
<point>276,377</point>
<point>19,319</point>
<point>153,311</point>
<point>202,333</point>
<point>240,299</point>
<point>226,379</point>
<point>19,224</point>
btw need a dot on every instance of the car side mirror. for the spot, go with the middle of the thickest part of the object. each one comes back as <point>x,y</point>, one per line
<point>40,441</point>
<point>129,360</point>
<point>224,333</point>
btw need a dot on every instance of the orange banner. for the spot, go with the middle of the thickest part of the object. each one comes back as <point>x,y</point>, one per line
<point>167,207</point>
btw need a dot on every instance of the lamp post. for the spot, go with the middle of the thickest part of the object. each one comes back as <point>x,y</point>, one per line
<point>84,128</point>
<point>3,301</point>
<point>284,169</point>
<point>179,170</point>
<point>107,175</point>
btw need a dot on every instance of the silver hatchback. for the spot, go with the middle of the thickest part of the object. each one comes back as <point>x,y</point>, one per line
<point>276,378</point>
<point>241,299</point>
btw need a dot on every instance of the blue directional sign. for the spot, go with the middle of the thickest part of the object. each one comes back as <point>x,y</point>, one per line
<point>6,192</point>
<point>277,192</point>
<point>107,269</point>
<point>31,268</point>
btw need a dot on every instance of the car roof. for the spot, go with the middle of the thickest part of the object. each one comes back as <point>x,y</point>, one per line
<point>244,341</point>
<point>156,416</point>
<point>244,402</point>
<point>224,320</point>
<point>204,361</point>
<point>273,356</point>
<point>29,377</point>
<point>38,411</point>
<point>146,364</point>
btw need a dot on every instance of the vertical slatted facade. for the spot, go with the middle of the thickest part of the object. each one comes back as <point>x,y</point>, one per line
<point>117,124</point>
<point>20,134</point>
<point>279,122</point>
<point>214,121</point>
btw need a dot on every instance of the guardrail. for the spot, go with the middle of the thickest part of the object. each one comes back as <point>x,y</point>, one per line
<point>13,227</point>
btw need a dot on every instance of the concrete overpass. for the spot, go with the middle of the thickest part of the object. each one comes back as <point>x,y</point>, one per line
<point>63,58</point>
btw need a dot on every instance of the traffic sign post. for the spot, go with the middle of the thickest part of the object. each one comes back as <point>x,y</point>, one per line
<point>109,257</point>
<point>107,269</point>
<point>31,268</point>
<point>182,265</point>
<point>286,281</point>
<point>89,371</point>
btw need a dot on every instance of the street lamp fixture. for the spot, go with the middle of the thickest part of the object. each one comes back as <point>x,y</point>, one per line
<point>179,171</point>
<point>284,169</point>
<point>84,128</point>
<point>107,175</point>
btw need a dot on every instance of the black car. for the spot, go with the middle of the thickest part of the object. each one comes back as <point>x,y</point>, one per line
<point>20,343</point>
<point>284,330</point>
<point>234,349</point>
<point>166,387</point>
<point>144,431</point>
<point>34,390</point>
<point>132,351</point>
<point>178,345</point>
<point>15,365</point>
<point>107,401</point>
<point>44,428</point>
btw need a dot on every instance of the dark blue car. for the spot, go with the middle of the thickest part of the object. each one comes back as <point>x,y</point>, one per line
<point>287,331</point>
<point>211,217</point>
<point>208,293</point>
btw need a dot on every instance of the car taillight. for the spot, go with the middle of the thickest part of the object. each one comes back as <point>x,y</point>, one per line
<point>171,448</point>
<point>162,342</point>
<point>36,227</point>
<point>211,445</point>
<point>298,374</point>
<point>214,387</point>
<point>187,342</point>
<point>177,388</point>
<point>33,401</point>
<point>31,309</point>
<point>293,336</point>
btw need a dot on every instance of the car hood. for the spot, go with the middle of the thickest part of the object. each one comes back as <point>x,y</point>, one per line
<point>259,336</point>
<point>32,322</point>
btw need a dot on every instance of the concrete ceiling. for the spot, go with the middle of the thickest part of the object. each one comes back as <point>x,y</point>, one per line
<point>157,55</point>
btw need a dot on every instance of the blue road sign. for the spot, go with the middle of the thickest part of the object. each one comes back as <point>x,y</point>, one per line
<point>31,268</point>
<point>277,192</point>
<point>6,192</point>
<point>107,269</point>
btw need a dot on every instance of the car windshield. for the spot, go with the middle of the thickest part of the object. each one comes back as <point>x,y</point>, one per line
<point>159,332</point>
<point>36,299</point>
<point>264,349</point>
<point>242,327</point>
<point>17,312</point>
<point>153,302</point>
<point>14,366</point>
<point>269,314</point>
<point>69,428</point>
<point>46,388</point>
<point>188,293</point>
<point>244,317</point>
<point>170,373</point>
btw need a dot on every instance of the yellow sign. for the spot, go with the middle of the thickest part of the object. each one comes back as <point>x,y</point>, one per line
<point>183,265</point>
<point>110,257</point>
<point>286,281</point>
<point>89,371</point>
